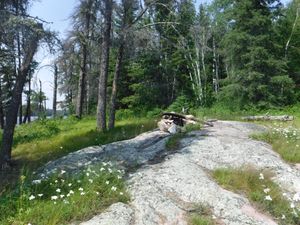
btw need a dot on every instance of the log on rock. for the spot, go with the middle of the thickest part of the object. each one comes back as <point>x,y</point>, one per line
<point>173,122</point>
<point>271,118</point>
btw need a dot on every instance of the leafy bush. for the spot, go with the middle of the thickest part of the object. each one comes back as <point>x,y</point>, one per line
<point>154,113</point>
<point>36,130</point>
<point>181,102</point>
<point>125,114</point>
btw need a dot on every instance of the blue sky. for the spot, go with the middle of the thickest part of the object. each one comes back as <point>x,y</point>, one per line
<point>58,12</point>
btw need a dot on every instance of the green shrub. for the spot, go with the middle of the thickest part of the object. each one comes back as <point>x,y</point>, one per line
<point>154,113</point>
<point>125,114</point>
<point>181,102</point>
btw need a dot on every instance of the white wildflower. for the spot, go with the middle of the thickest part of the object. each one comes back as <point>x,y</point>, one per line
<point>121,193</point>
<point>80,189</point>
<point>292,205</point>
<point>267,190</point>
<point>283,217</point>
<point>54,197</point>
<point>55,181</point>
<point>68,195</point>
<point>69,184</point>
<point>268,198</point>
<point>102,169</point>
<point>54,203</point>
<point>97,193</point>
<point>71,192</point>
<point>88,174</point>
<point>109,170</point>
<point>82,193</point>
<point>91,181</point>
<point>31,197</point>
<point>261,176</point>
<point>36,181</point>
<point>58,190</point>
<point>284,194</point>
<point>40,195</point>
<point>113,188</point>
<point>62,196</point>
<point>61,147</point>
<point>296,197</point>
<point>107,182</point>
<point>62,171</point>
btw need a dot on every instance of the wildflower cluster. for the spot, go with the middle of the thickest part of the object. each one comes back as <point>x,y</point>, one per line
<point>94,187</point>
<point>61,186</point>
<point>291,133</point>
<point>293,208</point>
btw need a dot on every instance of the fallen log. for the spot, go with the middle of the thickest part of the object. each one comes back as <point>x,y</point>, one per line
<point>269,118</point>
<point>173,122</point>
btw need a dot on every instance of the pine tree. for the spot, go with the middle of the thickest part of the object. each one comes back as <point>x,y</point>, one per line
<point>258,75</point>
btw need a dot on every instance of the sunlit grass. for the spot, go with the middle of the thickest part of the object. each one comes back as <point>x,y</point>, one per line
<point>284,138</point>
<point>261,191</point>
<point>63,198</point>
<point>69,135</point>
<point>81,134</point>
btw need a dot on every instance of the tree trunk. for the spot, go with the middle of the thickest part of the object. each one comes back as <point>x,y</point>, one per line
<point>20,111</point>
<point>83,66</point>
<point>81,86</point>
<point>40,99</point>
<point>101,106</point>
<point>215,68</point>
<point>1,108</point>
<point>55,91</point>
<point>27,116</point>
<point>12,112</point>
<point>19,64</point>
<point>111,122</point>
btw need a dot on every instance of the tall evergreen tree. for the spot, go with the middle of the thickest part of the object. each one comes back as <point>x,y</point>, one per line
<point>258,75</point>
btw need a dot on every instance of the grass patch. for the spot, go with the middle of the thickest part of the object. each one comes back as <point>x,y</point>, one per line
<point>173,143</point>
<point>201,216</point>
<point>260,190</point>
<point>63,198</point>
<point>284,138</point>
<point>37,143</point>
